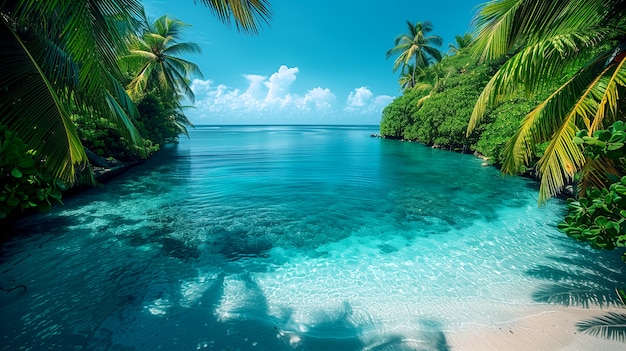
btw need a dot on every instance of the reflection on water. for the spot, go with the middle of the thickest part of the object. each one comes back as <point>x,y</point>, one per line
<point>282,238</point>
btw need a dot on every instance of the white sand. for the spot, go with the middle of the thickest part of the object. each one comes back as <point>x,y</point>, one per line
<point>554,328</point>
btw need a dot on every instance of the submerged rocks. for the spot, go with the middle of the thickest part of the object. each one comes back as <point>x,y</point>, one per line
<point>178,249</point>
<point>237,246</point>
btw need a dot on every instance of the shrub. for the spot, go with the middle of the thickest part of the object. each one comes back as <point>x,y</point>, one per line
<point>24,183</point>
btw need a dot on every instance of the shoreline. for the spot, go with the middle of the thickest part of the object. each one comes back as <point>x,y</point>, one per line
<point>553,328</point>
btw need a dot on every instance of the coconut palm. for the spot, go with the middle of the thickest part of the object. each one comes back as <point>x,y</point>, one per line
<point>547,39</point>
<point>57,56</point>
<point>460,42</point>
<point>417,46</point>
<point>154,61</point>
<point>407,80</point>
<point>433,80</point>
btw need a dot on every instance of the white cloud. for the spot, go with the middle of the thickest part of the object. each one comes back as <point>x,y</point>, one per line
<point>279,83</point>
<point>255,88</point>
<point>270,100</point>
<point>319,99</point>
<point>359,98</point>
<point>362,100</point>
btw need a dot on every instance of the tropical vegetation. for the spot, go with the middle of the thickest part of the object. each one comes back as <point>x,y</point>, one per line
<point>546,102</point>
<point>545,73</point>
<point>416,46</point>
<point>571,39</point>
<point>100,75</point>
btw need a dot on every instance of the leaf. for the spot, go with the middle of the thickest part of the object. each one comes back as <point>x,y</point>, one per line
<point>601,221</point>
<point>610,326</point>
<point>42,122</point>
<point>16,173</point>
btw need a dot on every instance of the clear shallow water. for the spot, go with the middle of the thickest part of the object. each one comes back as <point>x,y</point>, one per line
<point>282,238</point>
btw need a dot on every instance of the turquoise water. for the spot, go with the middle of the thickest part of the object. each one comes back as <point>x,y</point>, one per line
<point>298,237</point>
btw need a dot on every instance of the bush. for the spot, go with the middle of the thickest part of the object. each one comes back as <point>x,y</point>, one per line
<point>599,216</point>
<point>24,183</point>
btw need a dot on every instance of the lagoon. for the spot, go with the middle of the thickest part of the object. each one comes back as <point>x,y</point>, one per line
<point>297,238</point>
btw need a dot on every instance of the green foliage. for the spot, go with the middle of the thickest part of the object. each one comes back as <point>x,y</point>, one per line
<point>157,120</point>
<point>599,217</point>
<point>101,136</point>
<point>398,115</point>
<point>610,143</point>
<point>24,183</point>
<point>500,125</point>
<point>436,111</point>
<point>442,118</point>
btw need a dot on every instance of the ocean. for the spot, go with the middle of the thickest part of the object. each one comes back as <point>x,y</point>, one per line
<point>292,238</point>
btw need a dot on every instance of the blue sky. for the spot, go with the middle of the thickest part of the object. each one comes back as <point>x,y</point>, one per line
<point>318,62</point>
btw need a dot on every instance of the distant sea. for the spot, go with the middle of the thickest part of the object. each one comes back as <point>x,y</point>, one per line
<point>290,237</point>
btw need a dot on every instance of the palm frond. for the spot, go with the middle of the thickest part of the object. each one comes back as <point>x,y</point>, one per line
<point>43,123</point>
<point>551,121</point>
<point>560,162</point>
<point>88,32</point>
<point>248,15</point>
<point>555,120</point>
<point>124,112</point>
<point>597,173</point>
<point>182,48</point>
<point>608,104</point>
<point>533,67</point>
<point>500,25</point>
<point>610,326</point>
<point>494,25</point>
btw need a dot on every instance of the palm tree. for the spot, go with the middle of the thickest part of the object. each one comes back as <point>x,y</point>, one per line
<point>432,79</point>
<point>154,63</point>
<point>417,46</point>
<point>57,56</point>
<point>547,39</point>
<point>407,79</point>
<point>460,42</point>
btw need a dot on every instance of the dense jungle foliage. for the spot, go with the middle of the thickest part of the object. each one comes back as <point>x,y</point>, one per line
<point>440,118</point>
<point>82,79</point>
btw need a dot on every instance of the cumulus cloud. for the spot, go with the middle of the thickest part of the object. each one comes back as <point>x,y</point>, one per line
<point>272,96</point>
<point>279,83</point>
<point>319,99</point>
<point>255,88</point>
<point>362,100</point>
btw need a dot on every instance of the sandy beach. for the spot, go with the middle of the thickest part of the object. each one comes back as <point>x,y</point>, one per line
<point>551,329</point>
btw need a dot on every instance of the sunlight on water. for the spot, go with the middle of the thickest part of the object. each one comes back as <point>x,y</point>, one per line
<point>283,238</point>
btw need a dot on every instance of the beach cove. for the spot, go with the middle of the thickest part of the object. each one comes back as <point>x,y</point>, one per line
<point>304,237</point>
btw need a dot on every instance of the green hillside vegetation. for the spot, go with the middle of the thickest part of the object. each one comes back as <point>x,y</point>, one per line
<point>439,117</point>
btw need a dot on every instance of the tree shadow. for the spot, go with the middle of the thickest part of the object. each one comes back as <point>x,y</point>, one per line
<point>335,330</point>
<point>609,326</point>
<point>250,323</point>
<point>583,280</point>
